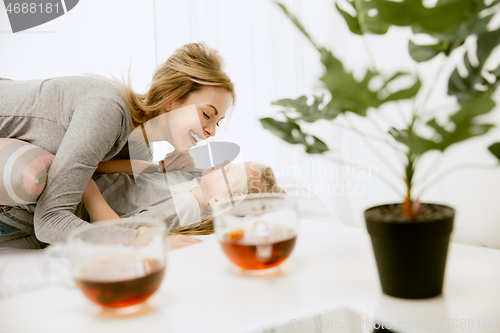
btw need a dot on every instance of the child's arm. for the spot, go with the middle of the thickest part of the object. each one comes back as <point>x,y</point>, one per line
<point>97,207</point>
<point>126,166</point>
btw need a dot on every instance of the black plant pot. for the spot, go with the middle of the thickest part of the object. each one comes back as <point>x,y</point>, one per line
<point>410,256</point>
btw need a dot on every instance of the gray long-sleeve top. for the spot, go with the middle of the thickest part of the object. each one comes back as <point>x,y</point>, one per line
<point>83,121</point>
<point>160,196</point>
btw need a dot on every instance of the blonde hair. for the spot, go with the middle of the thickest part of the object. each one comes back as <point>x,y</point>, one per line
<point>189,69</point>
<point>265,182</point>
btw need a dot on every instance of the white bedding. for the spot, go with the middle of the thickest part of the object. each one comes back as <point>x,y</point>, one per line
<point>23,270</point>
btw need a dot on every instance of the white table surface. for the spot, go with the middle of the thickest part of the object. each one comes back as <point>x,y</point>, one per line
<point>332,267</point>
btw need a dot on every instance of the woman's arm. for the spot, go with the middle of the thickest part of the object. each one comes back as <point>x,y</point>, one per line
<point>126,166</point>
<point>97,130</point>
<point>95,204</point>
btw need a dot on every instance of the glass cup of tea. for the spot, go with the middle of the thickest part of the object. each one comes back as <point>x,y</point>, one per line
<point>117,264</point>
<point>257,232</point>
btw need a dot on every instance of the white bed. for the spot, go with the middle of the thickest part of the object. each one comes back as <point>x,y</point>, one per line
<point>23,270</point>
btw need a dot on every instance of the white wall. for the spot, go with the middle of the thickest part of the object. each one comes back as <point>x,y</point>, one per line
<point>101,36</point>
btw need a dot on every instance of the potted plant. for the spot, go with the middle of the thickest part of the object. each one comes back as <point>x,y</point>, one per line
<point>410,239</point>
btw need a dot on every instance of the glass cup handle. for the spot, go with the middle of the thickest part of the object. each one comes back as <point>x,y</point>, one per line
<point>54,260</point>
<point>264,247</point>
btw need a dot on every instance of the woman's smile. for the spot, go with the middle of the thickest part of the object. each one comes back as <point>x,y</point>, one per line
<point>195,138</point>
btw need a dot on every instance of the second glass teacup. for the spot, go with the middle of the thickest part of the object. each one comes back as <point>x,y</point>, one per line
<point>117,264</point>
<point>257,232</point>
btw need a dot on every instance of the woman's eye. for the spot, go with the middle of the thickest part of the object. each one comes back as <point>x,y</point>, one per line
<point>206,115</point>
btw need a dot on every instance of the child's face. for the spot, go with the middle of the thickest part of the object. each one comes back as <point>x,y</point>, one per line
<point>215,186</point>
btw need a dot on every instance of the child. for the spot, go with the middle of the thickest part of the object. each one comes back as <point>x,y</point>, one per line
<point>180,198</point>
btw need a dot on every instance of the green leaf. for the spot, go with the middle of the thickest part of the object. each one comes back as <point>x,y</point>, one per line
<point>283,130</point>
<point>393,77</point>
<point>421,53</point>
<point>297,23</point>
<point>348,94</point>
<point>444,16</point>
<point>317,147</point>
<point>464,123</point>
<point>405,93</point>
<point>486,42</point>
<point>291,132</point>
<point>401,136</point>
<point>298,109</point>
<point>465,88</point>
<point>495,150</point>
<point>363,22</point>
<point>352,22</point>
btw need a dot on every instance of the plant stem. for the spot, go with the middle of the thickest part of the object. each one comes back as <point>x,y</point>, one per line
<point>408,207</point>
<point>379,154</point>
<point>382,178</point>
<point>431,168</point>
<point>368,136</point>
<point>371,58</point>
<point>431,89</point>
<point>384,134</point>
<point>434,111</point>
<point>448,172</point>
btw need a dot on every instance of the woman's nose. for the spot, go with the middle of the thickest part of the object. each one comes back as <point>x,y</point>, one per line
<point>209,130</point>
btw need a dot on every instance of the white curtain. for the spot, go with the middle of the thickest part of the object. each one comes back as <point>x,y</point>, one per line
<point>268,59</point>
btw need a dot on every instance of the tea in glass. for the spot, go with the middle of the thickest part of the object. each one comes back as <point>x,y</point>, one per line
<point>120,281</point>
<point>117,264</point>
<point>258,233</point>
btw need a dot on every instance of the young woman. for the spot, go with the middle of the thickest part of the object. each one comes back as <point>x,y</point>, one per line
<point>85,121</point>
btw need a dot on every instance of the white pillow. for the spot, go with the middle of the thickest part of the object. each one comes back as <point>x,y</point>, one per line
<point>23,270</point>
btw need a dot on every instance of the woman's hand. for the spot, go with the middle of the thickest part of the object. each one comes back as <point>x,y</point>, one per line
<point>176,161</point>
<point>179,241</point>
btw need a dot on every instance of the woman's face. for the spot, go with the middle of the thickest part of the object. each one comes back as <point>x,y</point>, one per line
<point>185,124</point>
<point>215,186</point>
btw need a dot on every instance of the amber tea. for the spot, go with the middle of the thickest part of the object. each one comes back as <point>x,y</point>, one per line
<point>249,250</point>
<point>120,281</point>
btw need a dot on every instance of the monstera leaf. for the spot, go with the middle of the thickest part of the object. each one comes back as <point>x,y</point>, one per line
<point>495,150</point>
<point>464,123</point>
<point>449,21</point>
<point>298,109</point>
<point>292,133</point>
<point>474,83</point>
<point>363,21</point>
<point>348,94</point>
<point>422,53</point>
